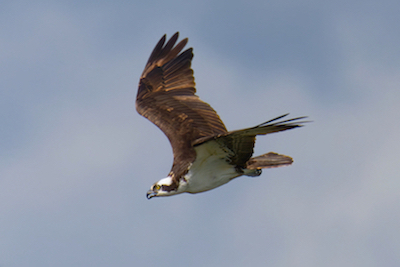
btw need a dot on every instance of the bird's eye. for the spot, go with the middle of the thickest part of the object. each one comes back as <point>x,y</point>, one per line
<point>157,187</point>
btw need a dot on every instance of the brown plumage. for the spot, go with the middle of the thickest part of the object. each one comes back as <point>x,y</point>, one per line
<point>166,96</point>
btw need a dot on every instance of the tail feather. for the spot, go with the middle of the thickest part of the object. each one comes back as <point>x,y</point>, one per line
<point>269,160</point>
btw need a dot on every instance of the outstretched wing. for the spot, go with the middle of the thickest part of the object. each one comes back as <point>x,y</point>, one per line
<point>166,97</point>
<point>241,142</point>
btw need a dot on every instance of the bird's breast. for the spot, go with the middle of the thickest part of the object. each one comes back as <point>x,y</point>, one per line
<point>210,169</point>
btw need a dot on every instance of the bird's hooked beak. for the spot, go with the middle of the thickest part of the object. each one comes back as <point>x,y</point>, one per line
<point>151,194</point>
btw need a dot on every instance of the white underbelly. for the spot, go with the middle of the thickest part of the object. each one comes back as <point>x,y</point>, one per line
<point>209,170</point>
<point>209,176</point>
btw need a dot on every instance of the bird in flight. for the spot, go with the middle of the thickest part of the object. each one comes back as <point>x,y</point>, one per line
<point>206,155</point>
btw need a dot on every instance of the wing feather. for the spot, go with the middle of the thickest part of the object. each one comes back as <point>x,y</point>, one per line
<point>166,97</point>
<point>241,142</point>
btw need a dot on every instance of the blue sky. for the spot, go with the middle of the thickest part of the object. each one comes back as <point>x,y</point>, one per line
<point>76,159</point>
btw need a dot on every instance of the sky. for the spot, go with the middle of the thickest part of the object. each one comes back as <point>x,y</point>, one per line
<point>76,160</point>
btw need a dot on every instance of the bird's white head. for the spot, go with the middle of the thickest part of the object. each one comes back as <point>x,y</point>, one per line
<point>162,188</point>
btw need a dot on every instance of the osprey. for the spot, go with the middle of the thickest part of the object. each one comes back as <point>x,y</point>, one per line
<point>206,155</point>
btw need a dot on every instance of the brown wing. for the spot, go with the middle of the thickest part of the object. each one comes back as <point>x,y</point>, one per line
<point>166,97</point>
<point>241,142</point>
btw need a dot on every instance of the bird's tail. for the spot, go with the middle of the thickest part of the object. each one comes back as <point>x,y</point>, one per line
<point>269,160</point>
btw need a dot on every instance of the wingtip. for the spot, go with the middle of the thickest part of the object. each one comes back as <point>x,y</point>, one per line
<point>175,35</point>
